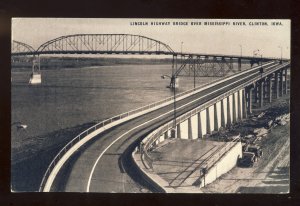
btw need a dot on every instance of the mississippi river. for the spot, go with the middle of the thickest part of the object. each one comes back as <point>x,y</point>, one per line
<point>70,100</point>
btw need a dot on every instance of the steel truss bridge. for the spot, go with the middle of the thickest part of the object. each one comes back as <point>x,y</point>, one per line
<point>184,64</point>
<point>21,49</point>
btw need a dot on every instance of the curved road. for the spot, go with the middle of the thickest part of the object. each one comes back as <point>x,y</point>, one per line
<point>104,164</point>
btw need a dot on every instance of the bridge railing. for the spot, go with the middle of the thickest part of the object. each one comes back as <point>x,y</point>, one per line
<point>149,142</point>
<point>102,124</point>
<point>105,122</point>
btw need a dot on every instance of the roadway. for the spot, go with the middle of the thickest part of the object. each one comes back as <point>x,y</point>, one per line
<point>104,164</point>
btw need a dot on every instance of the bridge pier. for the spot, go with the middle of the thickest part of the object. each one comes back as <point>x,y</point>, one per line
<point>261,95</point>
<point>249,100</point>
<point>178,131</point>
<point>265,89</point>
<point>216,125</point>
<point>270,89</point>
<point>286,81</point>
<point>237,107</point>
<point>233,108</point>
<point>199,125</point>
<point>36,77</point>
<point>208,129</point>
<point>255,91</point>
<point>228,112</point>
<point>190,131</point>
<point>244,104</point>
<point>239,64</point>
<point>276,85</point>
<point>281,83</point>
<point>222,114</point>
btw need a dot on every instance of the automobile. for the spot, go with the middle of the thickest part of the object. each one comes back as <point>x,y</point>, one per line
<point>256,150</point>
<point>247,160</point>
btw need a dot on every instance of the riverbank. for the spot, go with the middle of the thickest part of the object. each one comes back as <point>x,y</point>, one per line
<point>30,161</point>
<point>79,62</point>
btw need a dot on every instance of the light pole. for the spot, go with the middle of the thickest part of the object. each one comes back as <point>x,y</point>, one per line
<point>280,54</point>
<point>204,171</point>
<point>241,50</point>
<point>255,53</point>
<point>261,70</point>
<point>172,86</point>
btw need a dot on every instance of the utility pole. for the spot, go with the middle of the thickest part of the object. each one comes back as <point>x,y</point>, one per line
<point>241,50</point>
<point>280,54</point>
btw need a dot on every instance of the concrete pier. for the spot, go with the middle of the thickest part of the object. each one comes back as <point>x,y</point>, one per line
<point>233,108</point>
<point>244,104</point>
<point>190,136</point>
<point>261,99</point>
<point>178,131</point>
<point>239,64</point>
<point>255,92</point>
<point>276,86</point>
<point>199,125</point>
<point>239,106</point>
<point>281,83</point>
<point>286,81</point>
<point>222,114</point>
<point>270,89</point>
<point>208,129</point>
<point>251,90</point>
<point>216,125</point>
<point>228,113</point>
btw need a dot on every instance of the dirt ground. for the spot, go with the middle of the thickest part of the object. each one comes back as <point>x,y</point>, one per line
<point>271,173</point>
<point>268,127</point>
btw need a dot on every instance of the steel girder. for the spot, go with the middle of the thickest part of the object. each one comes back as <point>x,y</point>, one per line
<point>104,44</point>
<point>203,66</point>
<point>20,48</point>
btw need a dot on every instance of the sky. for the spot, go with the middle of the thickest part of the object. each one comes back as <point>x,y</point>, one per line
<point>219,37</point>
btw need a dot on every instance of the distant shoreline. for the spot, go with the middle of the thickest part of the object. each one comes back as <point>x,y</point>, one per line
<point>70,62</point>
<point>74,62</point>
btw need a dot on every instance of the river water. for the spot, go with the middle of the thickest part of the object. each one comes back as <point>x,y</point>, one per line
<point>74,96</point>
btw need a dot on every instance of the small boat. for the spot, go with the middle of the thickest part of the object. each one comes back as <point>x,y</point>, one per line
<point>22,126</point>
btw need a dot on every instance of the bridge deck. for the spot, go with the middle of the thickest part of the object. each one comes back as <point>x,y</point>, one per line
<point>107,158</point>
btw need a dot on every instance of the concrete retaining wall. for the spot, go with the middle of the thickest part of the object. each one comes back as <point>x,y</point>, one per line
<point>226,163</point>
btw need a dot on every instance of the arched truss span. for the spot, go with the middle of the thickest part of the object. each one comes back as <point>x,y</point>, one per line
<point>20,48</point>
<point>104,44</point>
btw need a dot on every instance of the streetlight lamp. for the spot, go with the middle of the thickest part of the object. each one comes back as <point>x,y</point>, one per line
<point>280,54</point>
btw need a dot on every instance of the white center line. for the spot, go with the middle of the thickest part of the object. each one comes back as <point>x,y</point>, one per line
<point>99,157</point>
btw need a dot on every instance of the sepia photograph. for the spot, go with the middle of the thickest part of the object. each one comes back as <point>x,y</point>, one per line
<point>125,105</point>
